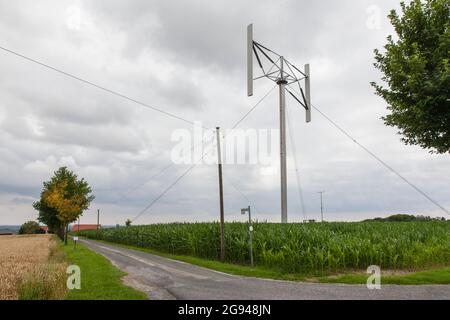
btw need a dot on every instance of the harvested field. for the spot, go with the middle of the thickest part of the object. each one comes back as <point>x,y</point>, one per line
<point>20,256</point>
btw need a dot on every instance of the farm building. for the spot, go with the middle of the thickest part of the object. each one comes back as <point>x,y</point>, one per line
<point>44,229</point>
<point>78,227</point>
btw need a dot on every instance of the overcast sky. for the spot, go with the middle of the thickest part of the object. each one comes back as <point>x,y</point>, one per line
<point>188,58</point>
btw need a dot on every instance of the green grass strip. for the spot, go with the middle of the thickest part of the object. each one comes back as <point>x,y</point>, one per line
<point>230,268</point>
<point>100,280</point>
<point>435,276</point>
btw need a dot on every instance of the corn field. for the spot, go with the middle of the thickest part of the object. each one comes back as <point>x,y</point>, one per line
<point>293,248</point>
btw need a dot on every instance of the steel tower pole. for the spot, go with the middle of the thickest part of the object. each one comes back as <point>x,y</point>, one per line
<point>282,83</point>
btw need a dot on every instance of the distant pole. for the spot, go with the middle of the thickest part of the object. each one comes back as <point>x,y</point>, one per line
<point>98,218</point>
<point>78,224</point>
<point>321,204</point>
<point>222,216</point>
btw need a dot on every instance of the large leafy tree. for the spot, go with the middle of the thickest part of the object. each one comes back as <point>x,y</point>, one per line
<point>63,200</point>
<point>417,74</point>
<point>48,216</point>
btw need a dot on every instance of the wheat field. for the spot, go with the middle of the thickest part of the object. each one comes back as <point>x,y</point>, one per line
<point>20,256</point>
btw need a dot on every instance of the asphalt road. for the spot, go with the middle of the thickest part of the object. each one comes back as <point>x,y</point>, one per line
<point>163,278</point>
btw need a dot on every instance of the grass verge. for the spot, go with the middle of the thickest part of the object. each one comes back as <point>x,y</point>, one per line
<point>225,267</point>
<point>434,276</point>
<point>100,280</point>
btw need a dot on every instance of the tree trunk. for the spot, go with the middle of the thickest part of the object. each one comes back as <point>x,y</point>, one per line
<point>60,232</point>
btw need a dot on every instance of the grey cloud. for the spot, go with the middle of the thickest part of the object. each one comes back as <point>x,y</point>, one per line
<point>22,200</point>
<point>115,139</point>
<point>189,59</point>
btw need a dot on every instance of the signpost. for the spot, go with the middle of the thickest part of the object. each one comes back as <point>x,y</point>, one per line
<point>250,232</point>
<point>75,239</point>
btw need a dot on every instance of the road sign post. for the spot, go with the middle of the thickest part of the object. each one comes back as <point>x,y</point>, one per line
<point>250,232</point>
<point>75,239</point>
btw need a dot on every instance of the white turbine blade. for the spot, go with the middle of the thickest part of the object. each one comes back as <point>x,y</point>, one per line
<point>250,60</point>
<point>308,93</point>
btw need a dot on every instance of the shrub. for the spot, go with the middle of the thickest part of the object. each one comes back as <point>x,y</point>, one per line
<point>30,227</point>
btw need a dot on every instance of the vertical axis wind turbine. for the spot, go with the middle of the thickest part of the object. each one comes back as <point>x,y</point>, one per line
<point>279,70</point>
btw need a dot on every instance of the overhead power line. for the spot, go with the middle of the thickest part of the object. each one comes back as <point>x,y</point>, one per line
<point>113,92</point>
<point>125,195</point>
<point>162,169</point>
<point>165,168</point>
<point>155,200</point>
<point>423,193</point>
<point>143,104</point>
<point>164,192</point>
<point>384,163</point>
<point>252,109</point>
<point>242,194</point>
<point>178,179</point>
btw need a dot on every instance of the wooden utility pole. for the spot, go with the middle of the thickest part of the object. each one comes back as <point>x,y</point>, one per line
<point>222,216</point>
<point>98,218</point>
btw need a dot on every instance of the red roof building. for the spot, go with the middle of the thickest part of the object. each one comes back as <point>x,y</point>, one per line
<point>78,227</point>
<point>44,229</point>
